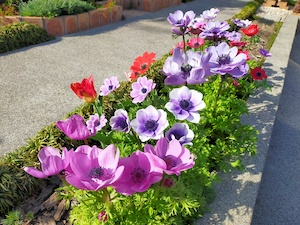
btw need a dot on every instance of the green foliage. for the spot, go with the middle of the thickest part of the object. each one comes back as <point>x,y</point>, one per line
<point>54,8</point>
<point>12,218</point>
<point>17,35</point>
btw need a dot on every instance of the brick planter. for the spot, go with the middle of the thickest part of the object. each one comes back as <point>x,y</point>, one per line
<point>148,5</point>
<point>62,25</point>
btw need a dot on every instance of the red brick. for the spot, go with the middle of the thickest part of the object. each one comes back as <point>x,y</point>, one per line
<point>147,5</point>
<point>94,18</point>
<point>105,16</point>
<point>10,19</point>
<point>71,24</point>
<point>117,12</point>
<point>83,21</point>
<point>55,26</point>
<point>35,20</point>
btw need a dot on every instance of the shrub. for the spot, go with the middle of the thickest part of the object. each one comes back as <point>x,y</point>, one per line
<point>54,8</point>
<point>18,35</point>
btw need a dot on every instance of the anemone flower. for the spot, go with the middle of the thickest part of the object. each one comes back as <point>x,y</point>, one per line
<point>251,30</point>
<point>120,121</point>
<point>110,84</point>
<point>85,90</point>
<point>227,59</point>
<point>196,25</point>
<point>265,53</point>
<point>176,157</point>
<point>141,170</point>
<point>94,168</point>
<point>180,132</point>
<point>150,123</point>
<point>241,23</point>
<point>233,36</point>
<point>215,29</point>
<point>141,89</point>
<point>180,19</point>
<point>74,127</point>
<point>185,104</point>
<point>52,162</point>
<point>258,74</point>
<point>142,63</point>
<point>195,42</point>
<point>95,123</point>
<point>209,15</point>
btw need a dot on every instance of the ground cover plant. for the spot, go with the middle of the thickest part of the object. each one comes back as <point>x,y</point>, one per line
<point>220,148</point>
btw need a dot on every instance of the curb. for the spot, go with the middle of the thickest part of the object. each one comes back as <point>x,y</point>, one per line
<point>236,194</point>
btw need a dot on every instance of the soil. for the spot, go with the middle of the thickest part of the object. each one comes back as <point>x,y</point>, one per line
<point>48,210</point>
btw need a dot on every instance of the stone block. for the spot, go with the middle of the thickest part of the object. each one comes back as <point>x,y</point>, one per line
<point>55,26</point>
<point>105,16</point>
<point>34,20</point>
<point>71,24</point>
<point>83,21</point>
<point>94,18</point>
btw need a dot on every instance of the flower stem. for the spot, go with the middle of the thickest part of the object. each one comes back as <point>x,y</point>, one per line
<point>137,140</point>
<point>86,142</point>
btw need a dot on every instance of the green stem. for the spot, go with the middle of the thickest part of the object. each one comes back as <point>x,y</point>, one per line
<point>98,107</point>
<point>137,140</point>
<point>218,95</point>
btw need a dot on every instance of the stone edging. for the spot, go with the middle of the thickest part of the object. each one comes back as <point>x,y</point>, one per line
<point>147,5</point>
<point>69,24</point>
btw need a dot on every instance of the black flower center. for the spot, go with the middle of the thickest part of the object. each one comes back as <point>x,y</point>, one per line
<point>138,175</point>
<point>151,125</point>
<point>122,124</point>
<point>143,66</point>
<point>185,104</point>
<point>177,135</point>
<point>186,68</point>
<point>110,87</point>
<point>224,59</point>
<point>258,74</point>
<point>144,90</point>
<point>96,172</point>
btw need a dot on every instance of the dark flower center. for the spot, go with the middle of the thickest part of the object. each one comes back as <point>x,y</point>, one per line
<point>196,45</point>
<point>96,172</point>
<point>110,87</point>
<point>224,59</point>
<point>169,162</point>
<point>258,74</point>
<point>138,175</point>
<point>185,104</point>
<point>177,135</point>
<point>151,125</point>
<point>144,66</point>
<point>186,68</point>
<point>121,123</point>
<point>144,90</point>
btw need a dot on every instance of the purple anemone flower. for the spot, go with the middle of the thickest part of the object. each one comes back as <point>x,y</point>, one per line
<point>233,36</point>
<point>52,162</point>
<point>242,23</point>
<point>74,127</point>
<point>94,168</point>
<point>180,21</point>
<point>227,59</point>
<point>110,84</point>
<point>265,52</point>
<point>141,88</point>
<point>120,121</point>
<point>141,170</point>
<point>150,123</point>
<point>214,29</point>
<point>187,68</point>
<point>95,123</point>
<point>176,157</point>
<point>180,132</point>
<point>185,104</point>
<point>209,15</point>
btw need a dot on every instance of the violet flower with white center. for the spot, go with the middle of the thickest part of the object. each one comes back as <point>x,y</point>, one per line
<point>120,121</point>
<point>242,23</point>
<point>180,132</point>
<point>233,36</point>
<point>214,29</point>
<point>265,53</point>
<point>110,84</point>
<point>185,104</point>
<point>141,88</point>
<point>95,123</point>
<point>150,123</point>
<point>186,68</point>
<point>210,15</point>
<point>227,59</point>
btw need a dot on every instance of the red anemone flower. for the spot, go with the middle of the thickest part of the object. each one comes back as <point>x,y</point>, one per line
<point>85,90</point>
<point>245,52</point>
<point>251,30</point>
<point>238,43</point>
<point>142,63</point>
<point>258,74</point>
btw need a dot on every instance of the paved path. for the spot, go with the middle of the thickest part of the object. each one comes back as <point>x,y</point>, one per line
<point>35,80</point>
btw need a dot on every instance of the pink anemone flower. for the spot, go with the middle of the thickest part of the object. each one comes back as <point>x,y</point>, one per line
<point>94,168</point>
<point>176,157</point>
<point>141,170</point>
<point>52,162</point>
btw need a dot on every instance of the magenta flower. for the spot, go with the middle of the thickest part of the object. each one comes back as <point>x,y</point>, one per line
<point>265,52</point>
<point>95,123</point>
<point>74,127</point>
<point>52,162</point>
<point>110,84</point>
<point>185,104</point>
<point>150,123</point>
<point>102,217</point>
<point>141,89</point>
<point>195,42</point>
<point>120,121</point>
<point>94,168</point>
<point>141,170</point>
<point>180,132</point>
<point>176,157</point>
